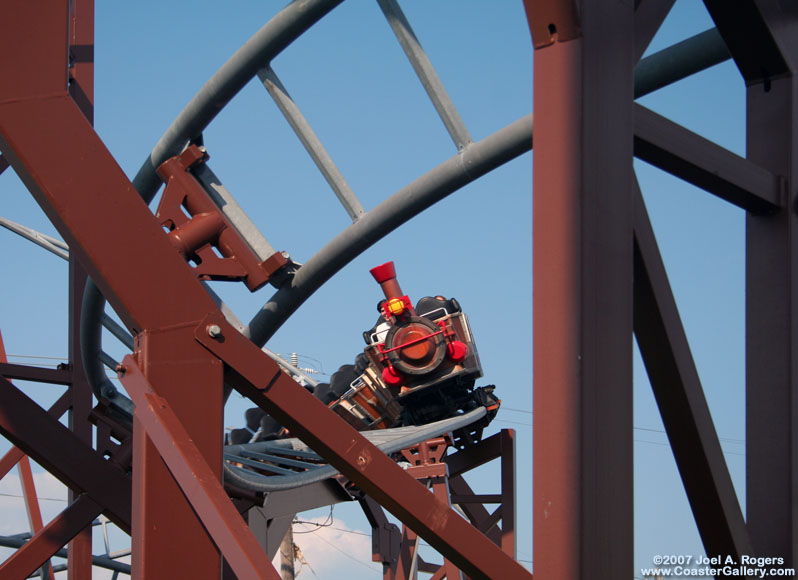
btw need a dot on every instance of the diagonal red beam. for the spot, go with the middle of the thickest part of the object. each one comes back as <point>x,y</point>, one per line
<point>32,507</point>
<point>13,455</point>
<point>44,544</point>
<point>57,449</point>
<point>680,398</point>
<point>688,156</point>
<point>256,376</point>
<point>28,486</point>
<point>196,479</point>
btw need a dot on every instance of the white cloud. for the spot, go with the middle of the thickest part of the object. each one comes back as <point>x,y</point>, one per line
<point>334,551</point>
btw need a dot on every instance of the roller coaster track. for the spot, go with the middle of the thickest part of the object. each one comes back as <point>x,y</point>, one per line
<point>175,460</point>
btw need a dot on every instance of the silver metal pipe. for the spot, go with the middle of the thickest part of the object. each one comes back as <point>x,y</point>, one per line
<point>50,244</point>
<point>426,73</point>
<point>311,143</point>
<point>680,61</point>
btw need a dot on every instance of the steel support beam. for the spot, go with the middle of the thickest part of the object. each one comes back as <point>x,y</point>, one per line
<point>762,36</point>
<point>761,52</point>
<point>59,376</point>
<point>680,398</point>
<point>33,508</point>
<point>157,421</point>
<point>772,328</point>
<point>47,541</point>
<point>58,450</point>
<point>79,549</point>
<point>688,156</point>
<point>582,228</point>
<point>170,538</point>
<point>13,455</point>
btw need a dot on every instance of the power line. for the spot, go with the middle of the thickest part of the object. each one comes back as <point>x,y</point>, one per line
<point>39,498</point>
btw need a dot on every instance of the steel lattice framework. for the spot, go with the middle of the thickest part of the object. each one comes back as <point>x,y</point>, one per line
<point>598,277</point>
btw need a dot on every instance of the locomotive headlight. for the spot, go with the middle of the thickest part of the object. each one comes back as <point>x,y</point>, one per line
<point>396,306</point>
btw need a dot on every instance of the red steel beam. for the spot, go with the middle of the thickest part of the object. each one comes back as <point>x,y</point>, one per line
<point>60,376</point>
<point>81,87</point>
<point>474,456</point>
<point>688,156</point>
<point>96,209</point>
<point>79,554</point>
<point>56,448</point>
<point>32,507</point>
<point>81,51</point>
<point>169,537</point>
<point>582,255</point>
<point>13,455</point>
<point>196,479</point>
<point>508,494</point>
<point>44,544</point>
<point>28,486</point>
<point>680,398</point>
<point>762,37</point>
<point>772,325</point>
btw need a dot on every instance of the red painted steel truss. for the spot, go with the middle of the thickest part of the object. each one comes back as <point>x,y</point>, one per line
<point>604,282</point>
<point>172,502</point>
<point>599,277</point>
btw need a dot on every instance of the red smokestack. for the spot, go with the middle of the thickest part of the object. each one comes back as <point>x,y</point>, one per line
<point>385,275</point>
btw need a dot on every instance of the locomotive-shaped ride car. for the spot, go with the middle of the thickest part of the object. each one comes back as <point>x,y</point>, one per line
<point>420,365</point>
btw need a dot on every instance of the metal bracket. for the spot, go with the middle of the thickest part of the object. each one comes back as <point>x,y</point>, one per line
<point>205,229</point>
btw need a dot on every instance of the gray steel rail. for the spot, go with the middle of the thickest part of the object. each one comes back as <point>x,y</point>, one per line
<point>311,142</point>
<point>50,244</point>
<point>387,440</point>
<point>426,73</point>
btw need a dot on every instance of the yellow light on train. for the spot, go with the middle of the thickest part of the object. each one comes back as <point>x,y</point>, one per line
<point>396,306</point>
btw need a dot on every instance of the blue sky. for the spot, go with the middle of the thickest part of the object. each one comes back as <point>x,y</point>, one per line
<point>350,78</point>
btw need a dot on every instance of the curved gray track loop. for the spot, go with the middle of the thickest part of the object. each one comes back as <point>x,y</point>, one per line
<point>471,163</point>
<point>286,26</point>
